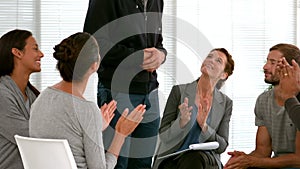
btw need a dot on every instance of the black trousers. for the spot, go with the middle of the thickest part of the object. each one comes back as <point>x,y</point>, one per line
<point>190,160</point>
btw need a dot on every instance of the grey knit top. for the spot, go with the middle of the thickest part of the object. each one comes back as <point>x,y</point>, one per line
<point>57,114</point>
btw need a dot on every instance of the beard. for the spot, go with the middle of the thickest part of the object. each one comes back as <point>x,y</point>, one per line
<point>273,82</point>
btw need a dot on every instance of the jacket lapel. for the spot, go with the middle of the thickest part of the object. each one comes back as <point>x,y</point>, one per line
<point>189,92</point>
<point>217,109</point>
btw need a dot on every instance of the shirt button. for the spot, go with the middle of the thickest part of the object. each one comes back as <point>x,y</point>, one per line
<point>136,6</point>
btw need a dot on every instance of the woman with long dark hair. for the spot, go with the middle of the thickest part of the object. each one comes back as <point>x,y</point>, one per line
<point>20,56</point>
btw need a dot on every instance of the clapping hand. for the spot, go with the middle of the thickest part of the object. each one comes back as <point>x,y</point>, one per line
<point>203,111</point>
<point>289,76</point>
<point>185,112</point>
<point>128,122</point>
<point>107,111</point>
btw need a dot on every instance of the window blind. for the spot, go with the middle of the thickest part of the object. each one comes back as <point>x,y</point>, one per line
<point>167,71</point>
<point>247,29</point>
<point>59,19</point>
<point>21,14</point>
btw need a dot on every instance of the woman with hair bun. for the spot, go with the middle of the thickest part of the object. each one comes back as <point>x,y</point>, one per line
<point>62,112</point>
<point>20,56</point>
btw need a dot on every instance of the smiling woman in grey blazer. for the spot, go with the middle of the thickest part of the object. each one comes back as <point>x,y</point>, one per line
<point>197,112</point>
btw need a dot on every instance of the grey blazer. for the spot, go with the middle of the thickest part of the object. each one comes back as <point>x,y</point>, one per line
<point>171,136</point>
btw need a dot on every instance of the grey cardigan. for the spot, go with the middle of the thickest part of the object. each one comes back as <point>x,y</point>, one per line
<point>172,136</point>
<point>14,119</point>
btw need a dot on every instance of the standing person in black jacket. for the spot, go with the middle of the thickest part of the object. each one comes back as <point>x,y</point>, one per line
<point>130,37</point>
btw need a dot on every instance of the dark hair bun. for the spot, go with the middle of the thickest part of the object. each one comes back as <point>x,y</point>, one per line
<point>75,55</point>
<point>63,52</point>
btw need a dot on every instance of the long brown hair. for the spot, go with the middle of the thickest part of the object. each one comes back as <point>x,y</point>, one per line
<point>12,39</point>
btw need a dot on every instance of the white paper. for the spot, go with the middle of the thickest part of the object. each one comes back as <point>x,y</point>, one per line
<point>199,146</point>
<point>204,146</point>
